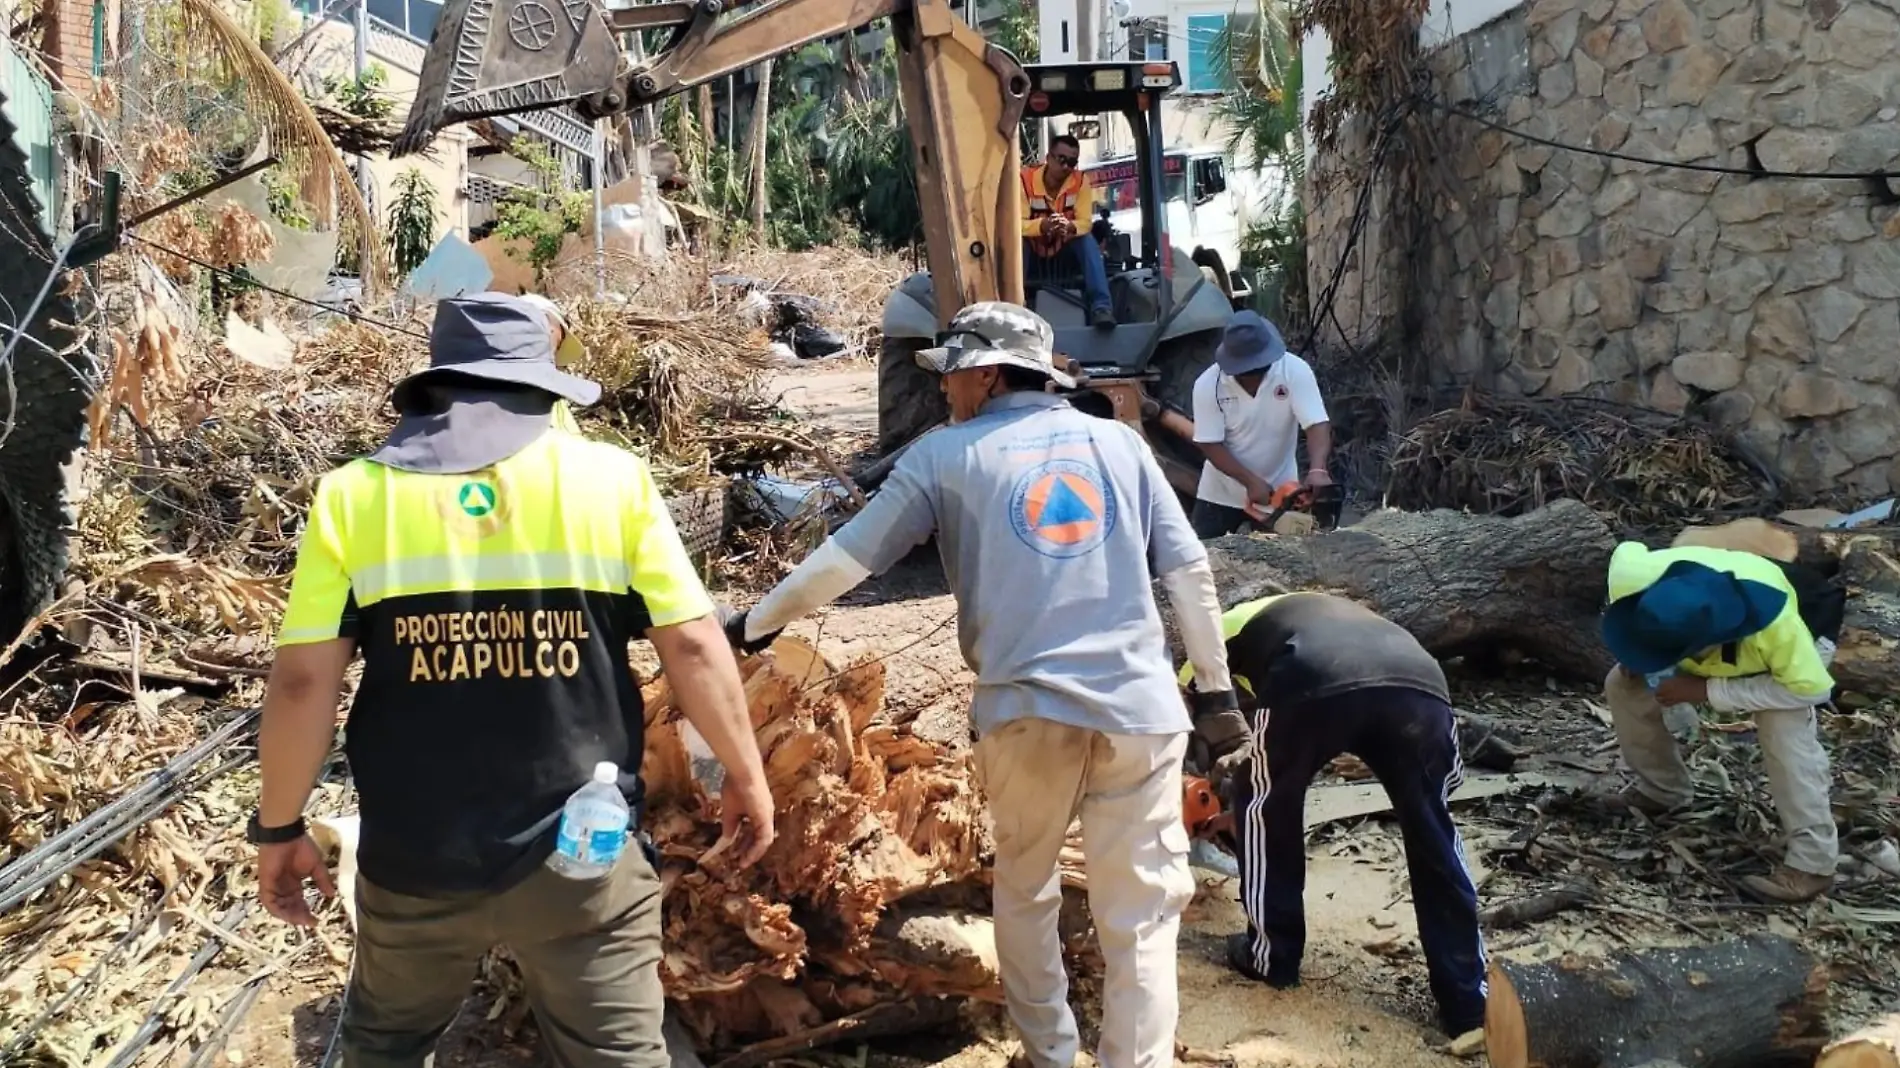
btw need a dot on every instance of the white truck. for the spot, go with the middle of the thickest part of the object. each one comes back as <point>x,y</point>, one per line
<point>1209,205</point>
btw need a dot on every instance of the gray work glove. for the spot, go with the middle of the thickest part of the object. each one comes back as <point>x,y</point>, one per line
<point>733,622</point>
<point>1221,739</point>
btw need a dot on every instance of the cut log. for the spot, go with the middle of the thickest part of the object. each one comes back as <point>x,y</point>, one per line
<point>1533,585</point>
<point>1749,1003</point>
<point>1875,1046</point>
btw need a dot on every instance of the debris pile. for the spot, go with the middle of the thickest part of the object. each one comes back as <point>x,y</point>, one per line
<point>873,893</point>
<point>1646,470</point>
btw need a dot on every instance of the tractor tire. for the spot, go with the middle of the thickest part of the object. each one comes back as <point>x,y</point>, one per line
<point>53,379</point>
<point>910,399</point>
<point>1178,364</point>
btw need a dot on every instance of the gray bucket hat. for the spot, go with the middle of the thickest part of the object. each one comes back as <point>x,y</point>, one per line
<point>995,333</point>
<point>483,347</point>
<point>499,338</point>
<point>1249,344</point>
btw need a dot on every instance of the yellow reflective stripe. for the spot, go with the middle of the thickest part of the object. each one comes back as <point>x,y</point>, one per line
<point>441,574</point>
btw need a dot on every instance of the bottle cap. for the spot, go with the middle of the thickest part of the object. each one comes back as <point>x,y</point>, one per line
<point>607,771</point>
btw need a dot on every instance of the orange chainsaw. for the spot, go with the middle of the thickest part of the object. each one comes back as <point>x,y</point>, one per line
<point>1322,501</point>
<point>1206,818</point>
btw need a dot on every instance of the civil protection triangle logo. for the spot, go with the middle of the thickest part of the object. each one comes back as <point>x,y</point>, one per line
<point>1062,508</point>
<point>475,505</point>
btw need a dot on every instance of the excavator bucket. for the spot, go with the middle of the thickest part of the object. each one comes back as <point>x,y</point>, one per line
<point>501,57</point>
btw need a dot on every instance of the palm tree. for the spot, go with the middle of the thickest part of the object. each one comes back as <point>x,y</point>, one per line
<point>1260,70</point>
<point>296,135</point>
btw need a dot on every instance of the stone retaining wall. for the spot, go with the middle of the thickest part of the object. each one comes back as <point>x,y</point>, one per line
<point>1771,306</point>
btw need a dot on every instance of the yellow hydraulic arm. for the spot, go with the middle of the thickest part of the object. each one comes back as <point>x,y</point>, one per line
<point>963,97</point>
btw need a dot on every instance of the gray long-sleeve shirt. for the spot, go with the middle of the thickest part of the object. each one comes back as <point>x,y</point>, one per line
<point>1051,524</point>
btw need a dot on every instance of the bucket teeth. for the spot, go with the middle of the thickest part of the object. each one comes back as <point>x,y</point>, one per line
<point>503,57</point>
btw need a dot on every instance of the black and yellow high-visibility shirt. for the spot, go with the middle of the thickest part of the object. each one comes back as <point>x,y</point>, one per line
<point>493,612</point>
<point>1295,648</point>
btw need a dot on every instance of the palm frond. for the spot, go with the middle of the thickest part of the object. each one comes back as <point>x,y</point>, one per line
<point>296,134</point>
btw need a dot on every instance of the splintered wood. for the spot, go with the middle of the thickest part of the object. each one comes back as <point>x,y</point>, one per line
<point>875,889</point>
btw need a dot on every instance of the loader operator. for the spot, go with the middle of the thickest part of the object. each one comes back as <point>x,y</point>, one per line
<point>1724,628</point>
<point>1322,676</point>
<point>491,569</point>
<point>1051,524</point>
<point>1057,199</point>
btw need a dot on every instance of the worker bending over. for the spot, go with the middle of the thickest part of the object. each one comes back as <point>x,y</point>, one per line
<point>1723,628</point>
<point>491,569</point>
<point>1248,408</point>
<point>1323,676</point>
<point>1057,200</point>
<point>1052,525</point>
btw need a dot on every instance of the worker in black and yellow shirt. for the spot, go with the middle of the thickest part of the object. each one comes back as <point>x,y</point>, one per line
<point>1322,676</point>
<point>491,569</point>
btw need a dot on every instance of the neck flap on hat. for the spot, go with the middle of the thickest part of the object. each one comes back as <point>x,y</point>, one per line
<point>477,428</point>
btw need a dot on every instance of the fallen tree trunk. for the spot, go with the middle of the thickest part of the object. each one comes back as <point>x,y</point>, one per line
<point>1875,1046</point>
<point>1749,1003</point>
<point>1534,585</point>
<point>1460,583</point>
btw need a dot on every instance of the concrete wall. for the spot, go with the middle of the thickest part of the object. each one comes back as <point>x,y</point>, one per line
<point>1769,306</point>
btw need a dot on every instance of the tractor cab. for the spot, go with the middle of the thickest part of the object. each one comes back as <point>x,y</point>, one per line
<point>1143,271</point>
<point>1167,309</point>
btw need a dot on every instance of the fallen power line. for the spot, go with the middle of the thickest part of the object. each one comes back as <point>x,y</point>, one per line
<point>227,923</point>
<point>46,863</point>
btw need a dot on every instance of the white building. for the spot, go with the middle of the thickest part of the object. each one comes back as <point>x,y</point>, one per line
<point>1081,31</point>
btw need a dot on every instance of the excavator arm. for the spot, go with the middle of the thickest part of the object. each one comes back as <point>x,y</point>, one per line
<point>963,97</point>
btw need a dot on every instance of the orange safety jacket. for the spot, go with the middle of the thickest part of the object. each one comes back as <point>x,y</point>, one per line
<point>1037,200</point>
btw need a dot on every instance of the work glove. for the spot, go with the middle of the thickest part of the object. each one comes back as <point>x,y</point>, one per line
<point>1221,739</point>
<point>733,622</point>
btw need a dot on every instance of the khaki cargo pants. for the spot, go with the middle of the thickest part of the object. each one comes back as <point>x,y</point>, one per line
<point>588,948</point>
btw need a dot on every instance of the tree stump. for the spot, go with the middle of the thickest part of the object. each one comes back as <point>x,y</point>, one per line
<point>1875,1046</point>
<point>1748,1003</point>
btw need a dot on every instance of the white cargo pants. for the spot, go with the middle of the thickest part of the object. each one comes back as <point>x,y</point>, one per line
<point>1037,775</point>
<point>1797,766</point>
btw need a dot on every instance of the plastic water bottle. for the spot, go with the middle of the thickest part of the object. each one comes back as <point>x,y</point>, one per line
<point>593,827</point>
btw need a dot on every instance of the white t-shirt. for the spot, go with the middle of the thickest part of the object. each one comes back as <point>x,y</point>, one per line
<point>1262,431</point>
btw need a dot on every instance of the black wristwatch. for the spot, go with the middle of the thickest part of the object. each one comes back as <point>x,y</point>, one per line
<point>257,834</point>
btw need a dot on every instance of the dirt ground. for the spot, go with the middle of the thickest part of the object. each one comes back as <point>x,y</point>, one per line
<point>1354,1008</point>
<point>1363,999</point>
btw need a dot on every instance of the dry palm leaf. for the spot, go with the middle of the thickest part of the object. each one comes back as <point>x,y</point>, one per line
<point>295,131</point>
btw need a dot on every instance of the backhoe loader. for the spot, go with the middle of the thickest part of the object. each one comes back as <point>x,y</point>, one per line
<point>964,99</point>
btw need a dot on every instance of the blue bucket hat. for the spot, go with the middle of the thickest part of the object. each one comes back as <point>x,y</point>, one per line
<point>1692,607</point>
<point>1250,344</point>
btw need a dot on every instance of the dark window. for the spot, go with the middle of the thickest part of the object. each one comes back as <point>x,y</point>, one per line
<point>394,12</point>
<point>422,16</point>
<point>1148,40</point>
